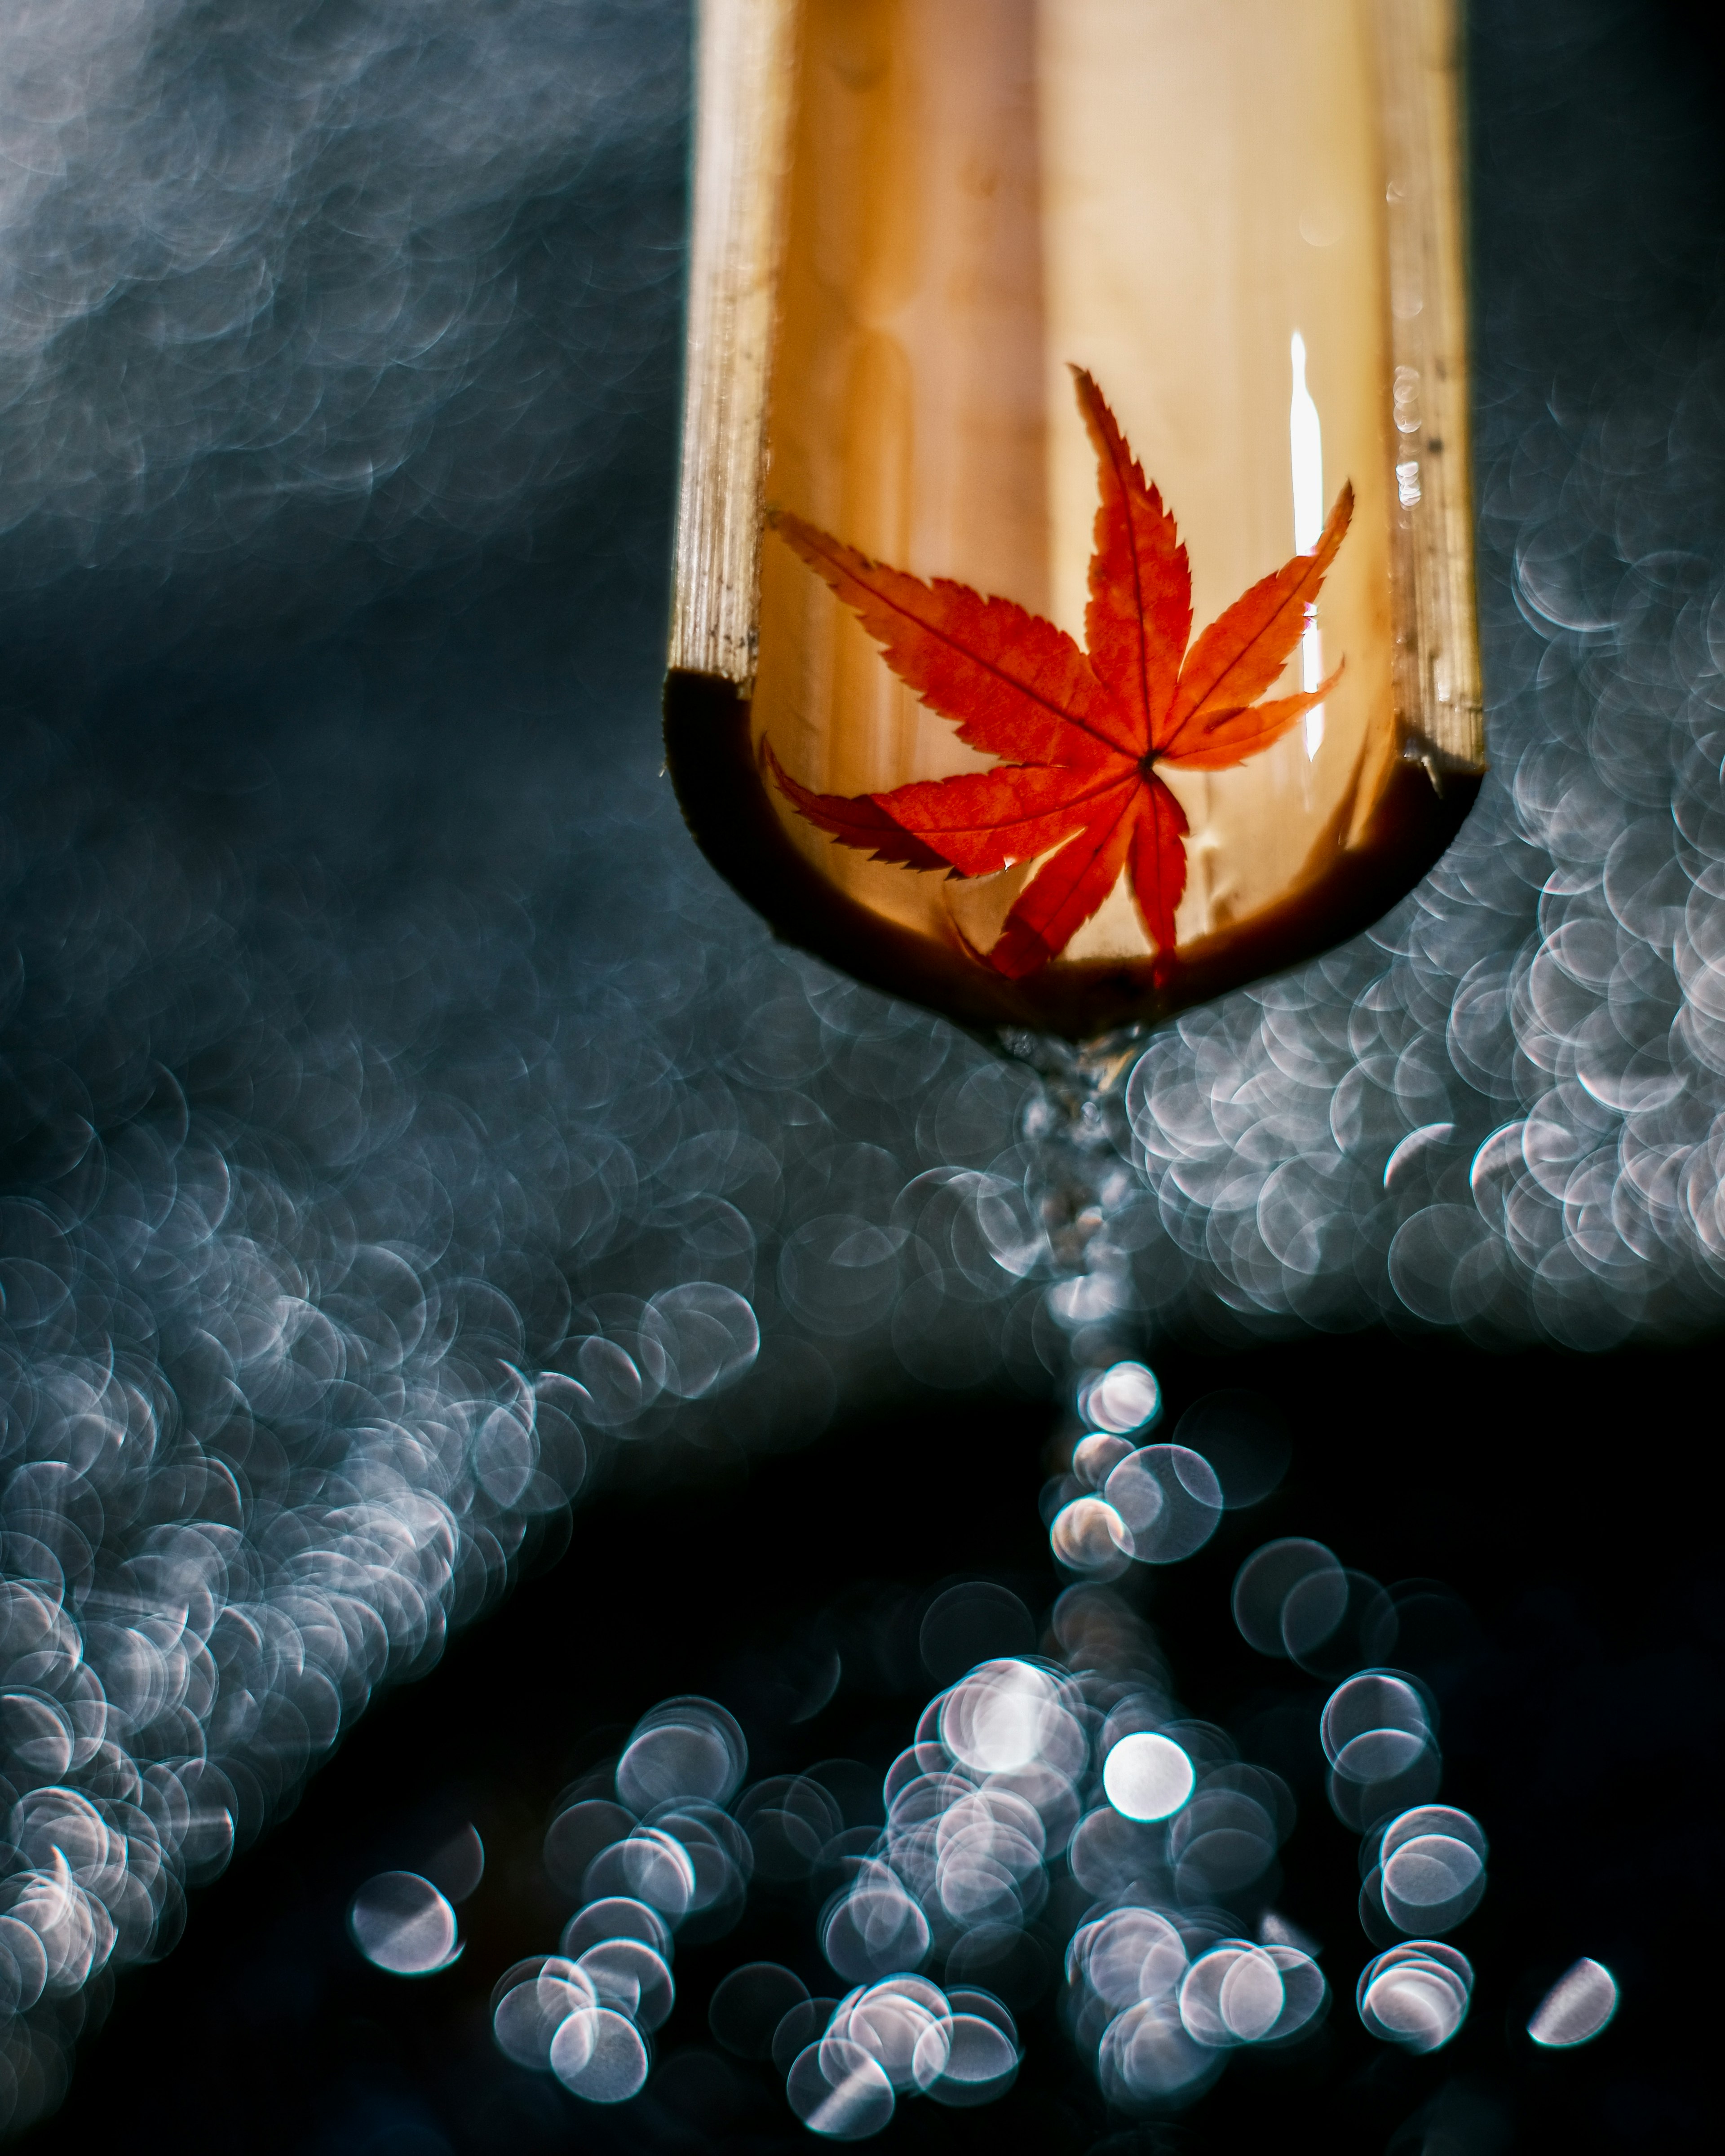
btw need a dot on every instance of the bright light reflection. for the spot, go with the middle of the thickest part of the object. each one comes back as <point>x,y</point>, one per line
<point>837,2090</point>
<point>1373,1726</point>
<point>1578,2005</point>
<point>980,2060</point>
<point>1089,1536</point>
<point>1148,1776</point>
<point>1416,1995</point>
<point>401,1923</point>
<point>1306,442</point>
<point>982,1808</point>
<point>598,2054</point>
<point>1125,1397</point>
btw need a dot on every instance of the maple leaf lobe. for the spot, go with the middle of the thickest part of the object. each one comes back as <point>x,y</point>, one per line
<point>1079,735</point>
<point>1138,619</point>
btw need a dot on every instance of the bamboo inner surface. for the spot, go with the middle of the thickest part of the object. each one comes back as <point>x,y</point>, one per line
<point>984,193</point>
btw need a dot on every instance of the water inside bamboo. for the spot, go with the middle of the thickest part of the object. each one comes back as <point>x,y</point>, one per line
<point>1186,199</point>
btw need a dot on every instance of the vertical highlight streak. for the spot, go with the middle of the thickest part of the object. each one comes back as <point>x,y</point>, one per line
<point>1306,446</point>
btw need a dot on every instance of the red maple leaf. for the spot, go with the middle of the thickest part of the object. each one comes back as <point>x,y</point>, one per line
<point>1080,734</point>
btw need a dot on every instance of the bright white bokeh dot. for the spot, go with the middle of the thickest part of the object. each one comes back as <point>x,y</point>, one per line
<point>1148,1776</point>
<point>599,2055</point>
<point>1123,1398</point>
<point>1577,2007</point>
<point>400,1923</point>
<point>1089,1536</point>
